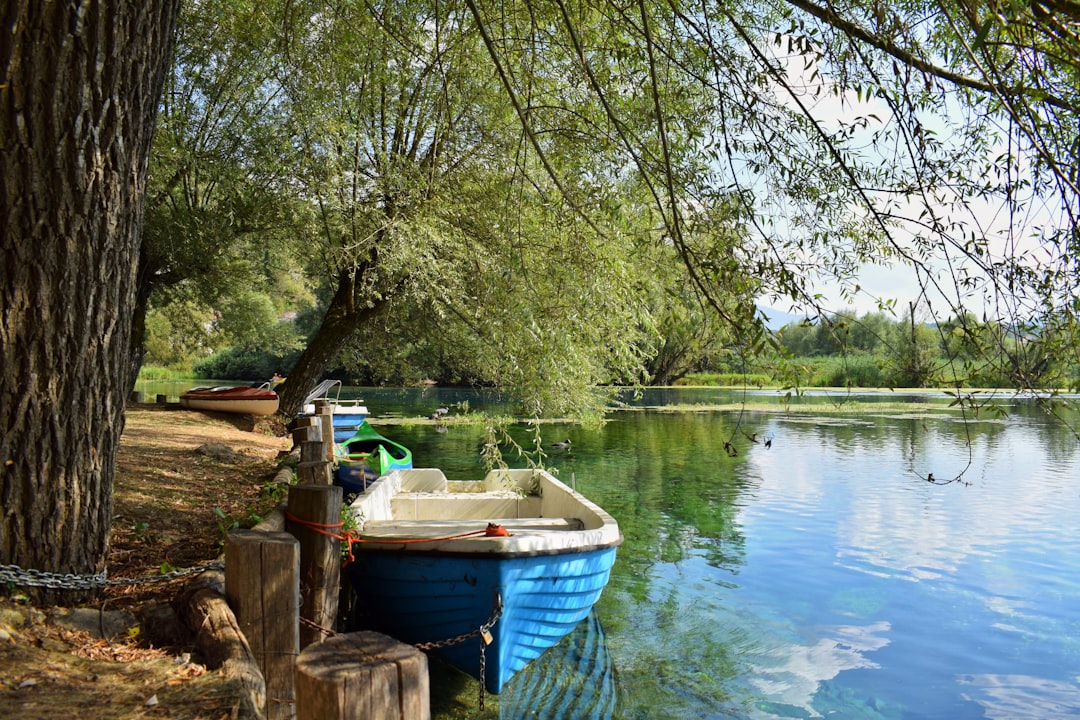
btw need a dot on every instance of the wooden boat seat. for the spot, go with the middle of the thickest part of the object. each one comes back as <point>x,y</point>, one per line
<point>445,528</point>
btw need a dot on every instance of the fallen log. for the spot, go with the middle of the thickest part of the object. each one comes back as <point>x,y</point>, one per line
<point>219,640</point>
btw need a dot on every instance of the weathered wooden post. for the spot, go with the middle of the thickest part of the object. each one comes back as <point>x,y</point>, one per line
<point>325,410</point>
<point>306,429</point>
<point>313,467</point>
<point>263,589</point>
<point>362,676</point>
<point>314,511</point>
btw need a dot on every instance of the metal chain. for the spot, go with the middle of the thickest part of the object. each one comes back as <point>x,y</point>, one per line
<point>496,613</point>
<point>482,631</point>
<point>24,577</point>
<point>483,672</point>
<point>485,638</point>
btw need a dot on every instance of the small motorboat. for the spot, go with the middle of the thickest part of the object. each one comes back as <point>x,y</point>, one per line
<point>346,415</point>
<point>365,456</point>
<point>500,569</point>
<point>229,399</point>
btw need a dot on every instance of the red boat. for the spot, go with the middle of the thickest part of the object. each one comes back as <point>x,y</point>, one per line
<point>240,400</point>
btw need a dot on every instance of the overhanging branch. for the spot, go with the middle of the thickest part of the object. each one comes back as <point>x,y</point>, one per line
<point>857,31</point>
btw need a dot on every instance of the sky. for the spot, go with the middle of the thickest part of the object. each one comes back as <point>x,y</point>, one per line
<point>897,281</point>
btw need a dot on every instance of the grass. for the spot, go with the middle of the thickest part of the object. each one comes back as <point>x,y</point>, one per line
<point>156,373</point>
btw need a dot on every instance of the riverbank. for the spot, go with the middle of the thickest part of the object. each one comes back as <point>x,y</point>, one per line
<point>183,479</point>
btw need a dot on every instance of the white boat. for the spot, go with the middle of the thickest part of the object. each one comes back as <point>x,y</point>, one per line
<point>347,415</point>
<point>518,555</point>
<point>227,399</point>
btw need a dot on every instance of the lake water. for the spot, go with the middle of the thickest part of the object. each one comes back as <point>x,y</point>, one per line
<point>822,576</point>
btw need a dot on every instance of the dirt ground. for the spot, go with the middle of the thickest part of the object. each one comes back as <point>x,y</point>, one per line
<point>173,504</point>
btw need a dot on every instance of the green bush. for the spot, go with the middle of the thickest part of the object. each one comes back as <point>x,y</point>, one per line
<point>235,363</point>
<point>854,371</point>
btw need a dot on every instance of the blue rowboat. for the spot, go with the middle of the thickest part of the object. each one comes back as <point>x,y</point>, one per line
<point>366,455</point>
<point>433,568</point>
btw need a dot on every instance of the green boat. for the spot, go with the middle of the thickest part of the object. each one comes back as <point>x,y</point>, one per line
<point>367,455</point>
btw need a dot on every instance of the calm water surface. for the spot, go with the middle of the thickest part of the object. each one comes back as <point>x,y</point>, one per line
<point>820,577</point>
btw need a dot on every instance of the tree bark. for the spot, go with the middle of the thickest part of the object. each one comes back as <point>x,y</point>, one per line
<point>78,102</point>
<point>343,317</point>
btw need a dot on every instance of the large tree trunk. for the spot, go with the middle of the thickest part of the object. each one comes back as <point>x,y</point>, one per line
<point>343,317</point>
<point>78,103</point>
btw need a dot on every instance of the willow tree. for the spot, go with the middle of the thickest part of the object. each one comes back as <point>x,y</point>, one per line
<point>430,196</point>
<point>78,101</point>
<point>219,216</point>
<point>981,194</point>
<point>934,136</point>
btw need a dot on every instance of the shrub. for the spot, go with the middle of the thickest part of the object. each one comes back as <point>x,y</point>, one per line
<point>235,363</point>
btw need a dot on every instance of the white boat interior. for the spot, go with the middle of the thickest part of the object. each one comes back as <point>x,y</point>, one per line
<point>542,514</point>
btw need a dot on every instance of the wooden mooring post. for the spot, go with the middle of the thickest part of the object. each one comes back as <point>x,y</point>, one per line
<point>306,429</point>
<point>313,511</point>
<point>313,467</point>
<point>362,676</point>
<point>325,411</point>
<point>315,455</point>
<point>263,589</point>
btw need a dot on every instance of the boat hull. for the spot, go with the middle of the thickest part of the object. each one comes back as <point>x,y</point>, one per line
<point>238,400</point>
<point>431,598</point>
<point>436,557</point>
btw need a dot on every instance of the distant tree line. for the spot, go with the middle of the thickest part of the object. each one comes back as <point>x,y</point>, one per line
<point>882,350</point>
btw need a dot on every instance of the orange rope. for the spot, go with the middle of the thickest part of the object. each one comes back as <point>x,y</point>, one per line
<point>351,537</point>
<point>348,536</point>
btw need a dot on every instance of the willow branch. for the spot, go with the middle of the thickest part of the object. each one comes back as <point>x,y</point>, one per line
<point>857,31</point>
<point>525,124</point>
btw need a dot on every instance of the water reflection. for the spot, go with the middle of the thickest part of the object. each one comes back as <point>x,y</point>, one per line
<point>1007,697</point>
<point>791,675</point>
<point>574,680</point>
<point>823,576</point>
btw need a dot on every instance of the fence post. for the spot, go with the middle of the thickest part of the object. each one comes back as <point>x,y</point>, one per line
<point>320,555</point>
<point>313,468</point>
<point>325,412</point>
<point>263,589</point>
<point>306,430</point>
<point>362,676</point>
